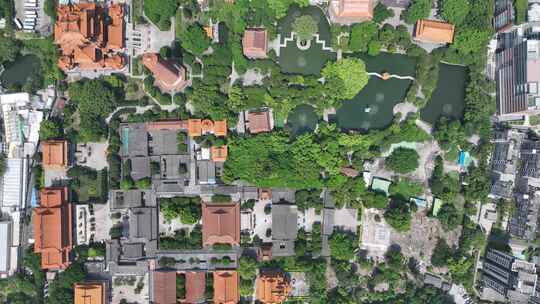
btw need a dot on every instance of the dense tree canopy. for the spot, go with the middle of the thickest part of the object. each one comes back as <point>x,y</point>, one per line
<point>398,215</point>
<point>471,40</point>
<point>188,209</point>
<point>455,11</point>
<point>361,35</point>
<point>441,254</point>
<point>305,27</point>
<point>270,160</point>
<point>381,13</point>
<point>195,40</point>
<point>418,9</point>
<point>9,48</point>
<point>449,216</point>
<point>50,128</point>
<point>345,78</point>
<point>342,245</point>
<point>94,100</point>
<point>402,160</point>
<point>160,12</point>
<point>280,7</point>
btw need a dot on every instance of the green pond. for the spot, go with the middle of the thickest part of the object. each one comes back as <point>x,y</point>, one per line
<point>396,64</point>
<point>302,119</point>
<point>307,62</point>
<point>448,99</point>
<point>18,71</point>
<point>372,108</point>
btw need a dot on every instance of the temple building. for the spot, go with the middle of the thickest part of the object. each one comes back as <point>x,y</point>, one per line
<point>226,287</point>
<point>89,293</point>
<point>170,76</point>
<point>53,228</point>
<point>433,31</point>
<point>90,36</point>
<point>273,287</point>
<point>221,223</point>
<point>55,153</point>
<point>255,43</point>
<point>351,11</point>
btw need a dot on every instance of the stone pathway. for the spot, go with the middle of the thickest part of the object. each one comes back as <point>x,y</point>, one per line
<point>392,76</point>
<point>317,40</point>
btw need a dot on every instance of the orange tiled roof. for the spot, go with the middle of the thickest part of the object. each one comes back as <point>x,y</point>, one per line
<point>255,43</point>
<point>226,287</point>
<point>195,286</point>
<point>209,31</point>
<point>198,127</point>
<point>164,125</point>
<point>53,228</point>
<point>273,288</point>
<point>221,223</point>
<point>85,40</point>
<point>207,126</point>
<point>220,127</point>
<point>219,154</point>
<point>89,293</point>
<point>351,11</point>
<point>169,75</point>
<point>194,128</point>
<point>164,287</point>
<point>55,153</point>
<point>116,27</point>
<point>259,122</point>
<point>434,31</point>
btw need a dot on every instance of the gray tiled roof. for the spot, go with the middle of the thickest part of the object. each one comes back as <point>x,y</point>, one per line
<point>132,250</point>
<point>140,167</point>
<point>284,222</point>
<point>163,142</point>
<point>134,140</point>
<point>143,223</point>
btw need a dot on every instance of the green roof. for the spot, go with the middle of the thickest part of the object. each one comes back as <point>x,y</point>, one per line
<point>437,204</point>
<point>381,185</point>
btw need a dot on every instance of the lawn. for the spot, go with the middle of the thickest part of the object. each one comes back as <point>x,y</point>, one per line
<point>92,189</point>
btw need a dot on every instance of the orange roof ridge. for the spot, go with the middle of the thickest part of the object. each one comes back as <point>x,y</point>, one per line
<point>221,223</point>
<point>434,31</point>
<point>53,228</point>
<point>84,38</point>
<point>226,287</point>
<point>89,293</point>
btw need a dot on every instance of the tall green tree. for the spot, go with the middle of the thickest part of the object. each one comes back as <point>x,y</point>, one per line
<point>382,13</point>
<point>455,11</point>
<point>402,160</point>
<point>342,245</point>
<point>361,35</point>
<point>345,78</point>
<point>280,7</point>
<point>398,215</point>
<point>418,9</point>
<point>305,27</point>
<point>50,128</point>
<point>9,48</point>
<point>194,40</point>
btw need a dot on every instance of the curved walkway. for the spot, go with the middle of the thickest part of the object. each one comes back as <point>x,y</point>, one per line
<point>392,76</point>
<point>317,40</point>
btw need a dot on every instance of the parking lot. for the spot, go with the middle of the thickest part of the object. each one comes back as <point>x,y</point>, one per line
<point>31,16</point>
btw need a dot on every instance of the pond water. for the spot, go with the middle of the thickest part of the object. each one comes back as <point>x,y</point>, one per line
<point>396,64</point>
<point>372,108</point>
<point>311,61</point>
<point>18,71</point>
<point>302,119</point>
<point>448,99</point>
